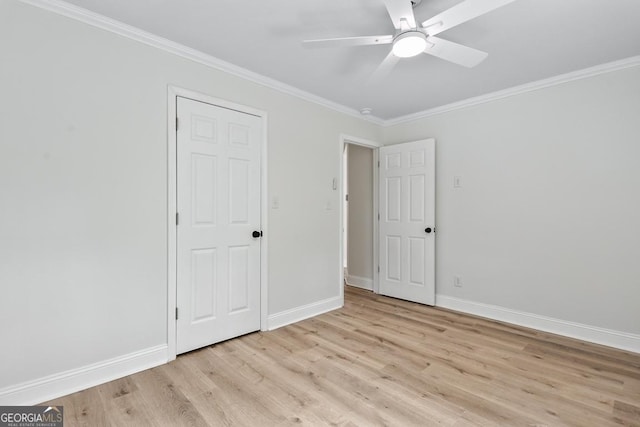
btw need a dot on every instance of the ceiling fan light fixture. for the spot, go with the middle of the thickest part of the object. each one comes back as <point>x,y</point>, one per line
<point>409,43</point>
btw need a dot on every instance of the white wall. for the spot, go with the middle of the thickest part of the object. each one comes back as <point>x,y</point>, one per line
<point>360,229</point>
<point>83,191</point>
<point>547,218</point>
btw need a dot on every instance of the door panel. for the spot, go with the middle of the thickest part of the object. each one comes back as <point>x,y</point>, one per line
<point>203,196</point>
<point>239,257</point>
<point>239,177</point>
<point>394,258</point>
<point>407,203</point>
<point>218,199</point>
<point>203,283</point>
<point>417,255</point>
<point>416,198</point>
<point>394,198</point>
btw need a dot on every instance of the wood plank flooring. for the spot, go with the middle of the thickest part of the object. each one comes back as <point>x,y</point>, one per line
<point>377,361</point>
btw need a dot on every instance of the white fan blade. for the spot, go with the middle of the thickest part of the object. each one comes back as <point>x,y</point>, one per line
<point>462,12</point>
<point>400,10</point>
<point>348,41</point>
<point>454,52</point>
<point>384,69</point>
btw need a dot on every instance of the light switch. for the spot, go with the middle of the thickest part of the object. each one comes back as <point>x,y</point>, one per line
<point>457,182</point>
<point>275,202</point>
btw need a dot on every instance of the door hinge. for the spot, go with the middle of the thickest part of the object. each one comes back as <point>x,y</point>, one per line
<point>177,218</point>
<point>378,163</point>
<point>378,269</point>
<point>176,123</point>
<point>346,197</point>
<point>176,313</point>
<point>378,216</point>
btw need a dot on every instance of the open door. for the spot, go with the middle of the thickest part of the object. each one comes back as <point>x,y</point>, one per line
<point>407,221</point>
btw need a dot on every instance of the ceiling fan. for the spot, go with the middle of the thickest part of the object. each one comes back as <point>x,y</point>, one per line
<point>411,38</point>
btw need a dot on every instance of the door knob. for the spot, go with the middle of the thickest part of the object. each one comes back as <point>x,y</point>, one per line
<point>427,230</point>
<point>256,234</point>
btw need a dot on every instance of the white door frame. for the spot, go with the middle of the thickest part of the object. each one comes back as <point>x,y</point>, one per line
<point>173,93</point>
<point>347,139</point>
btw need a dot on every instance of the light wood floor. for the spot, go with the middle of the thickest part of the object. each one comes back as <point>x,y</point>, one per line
<point>377,361</point>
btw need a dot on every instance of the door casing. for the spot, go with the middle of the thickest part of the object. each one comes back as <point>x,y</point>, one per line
<point>173,93</point>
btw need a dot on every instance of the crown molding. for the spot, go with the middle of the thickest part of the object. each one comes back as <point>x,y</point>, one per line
<point>100,21</point>
<point>517,90</point>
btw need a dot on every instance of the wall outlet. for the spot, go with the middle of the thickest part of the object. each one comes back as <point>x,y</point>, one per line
<point>457,281</point>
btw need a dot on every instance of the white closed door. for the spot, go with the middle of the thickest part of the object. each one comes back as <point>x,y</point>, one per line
<point>218,199</point>
<point>407,221</point>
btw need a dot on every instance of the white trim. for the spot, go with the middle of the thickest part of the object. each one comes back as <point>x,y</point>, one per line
<point>622,340</point>
<point>172,208</point>
<point>172,285</point>
<point>341,254</point>
<point>376,223</point>
<point>297,314</point>
<point>264,227</point>
<point>360,282</point>
<point>133,33</point>
<point>360,141</point>
<point>517,90</point>
<point>348,139</point>
<point>71,381</point>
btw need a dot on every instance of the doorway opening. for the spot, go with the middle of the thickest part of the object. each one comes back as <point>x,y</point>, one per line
<point>359,210</point>
<point>403,219</point>
<point>358,216</point>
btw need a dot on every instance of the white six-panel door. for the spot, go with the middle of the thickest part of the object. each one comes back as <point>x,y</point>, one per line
<point>218,201</point>
<point>407,221</point>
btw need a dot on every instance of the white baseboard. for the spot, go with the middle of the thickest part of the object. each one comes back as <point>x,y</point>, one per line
<point>359,282</point>
<point>297,314</point>
<point>622,340</point>
<point>61,384</point>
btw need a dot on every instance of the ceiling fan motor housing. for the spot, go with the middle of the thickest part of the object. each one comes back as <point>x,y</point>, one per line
<point>409,43</point>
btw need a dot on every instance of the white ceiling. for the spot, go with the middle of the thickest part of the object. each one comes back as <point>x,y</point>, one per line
<point>527,40</point>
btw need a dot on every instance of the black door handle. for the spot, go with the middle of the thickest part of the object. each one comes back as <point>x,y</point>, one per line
<point>427,230</point>
<point>256,234</point>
